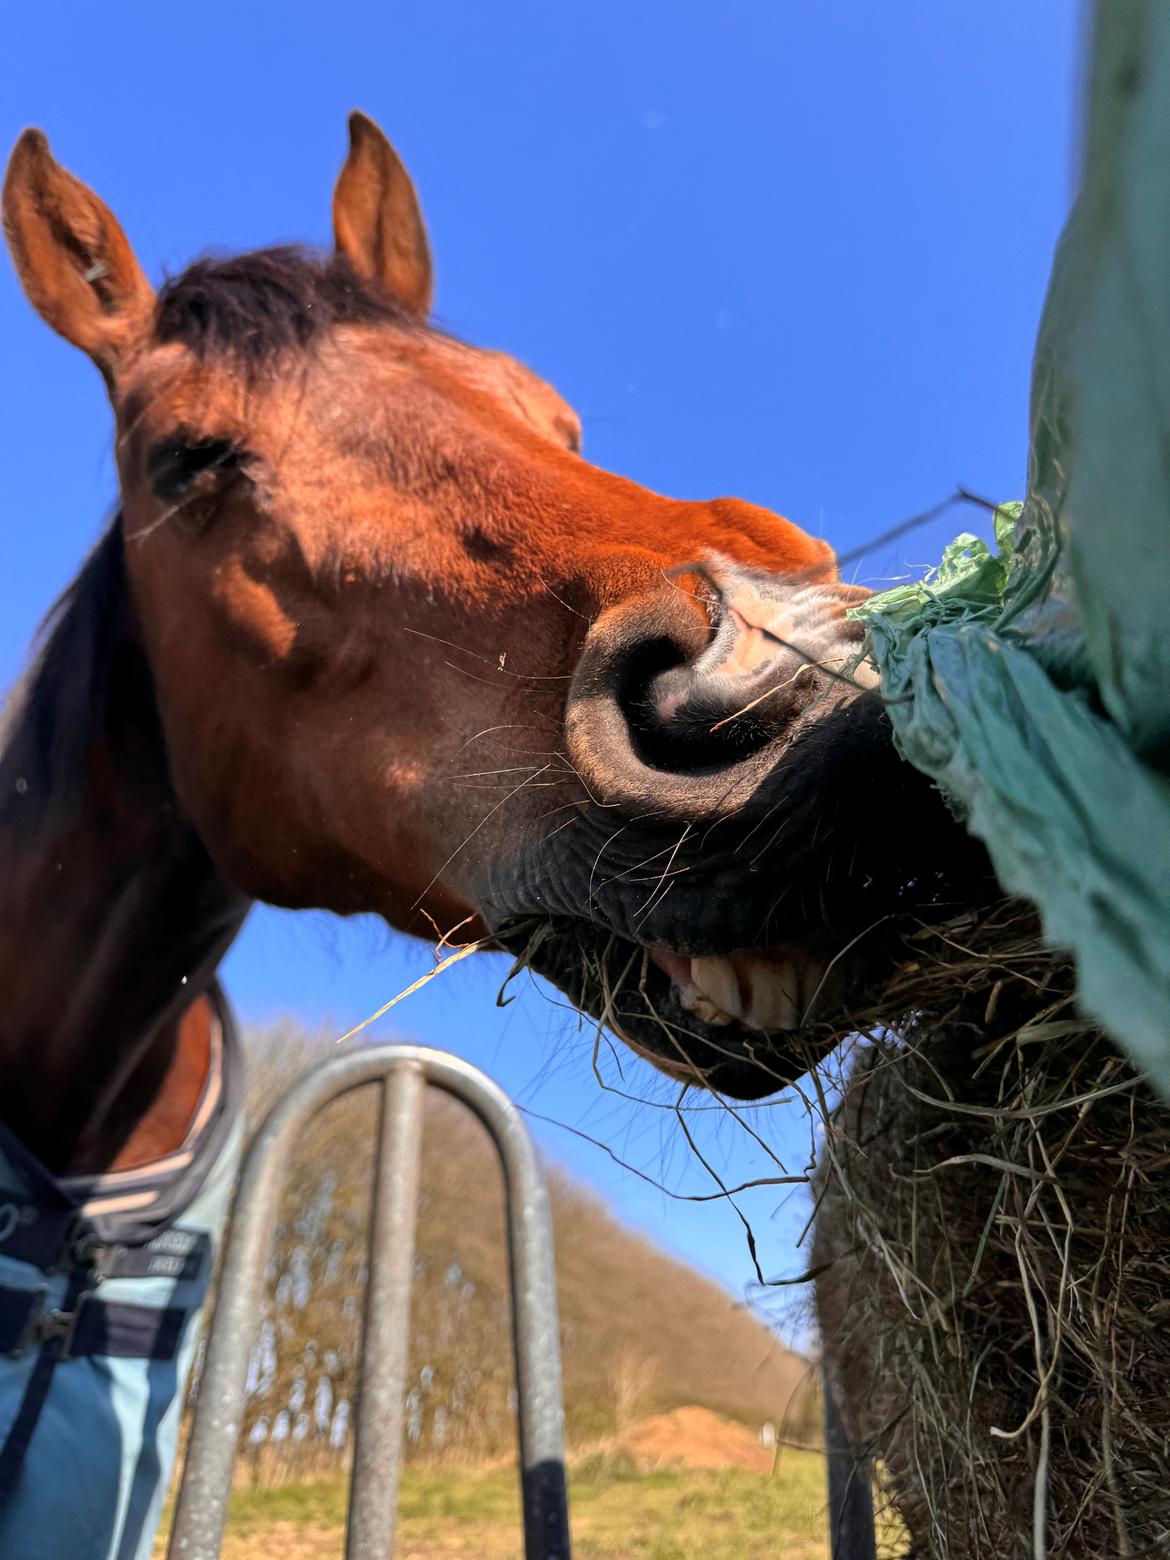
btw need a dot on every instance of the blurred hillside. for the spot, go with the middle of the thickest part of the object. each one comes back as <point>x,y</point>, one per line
<point>640,1331</point>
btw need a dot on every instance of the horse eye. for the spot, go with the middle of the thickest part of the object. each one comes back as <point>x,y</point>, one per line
<point>180,467</point>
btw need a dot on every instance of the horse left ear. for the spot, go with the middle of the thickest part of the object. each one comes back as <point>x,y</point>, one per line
<point>376,219</point>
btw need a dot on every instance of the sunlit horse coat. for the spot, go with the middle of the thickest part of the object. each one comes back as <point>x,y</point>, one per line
<point>102,1285</point>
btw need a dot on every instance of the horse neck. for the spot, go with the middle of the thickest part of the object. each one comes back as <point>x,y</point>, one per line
<point>112,916</point>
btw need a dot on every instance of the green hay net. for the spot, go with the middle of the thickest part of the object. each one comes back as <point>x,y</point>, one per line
<point>1032,683</point>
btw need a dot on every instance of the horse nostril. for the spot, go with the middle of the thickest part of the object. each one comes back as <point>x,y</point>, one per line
<point>656,677</point>
<point>774,648</point>
<point>681,709</point>
<point>681,719</point>
<point>669,727</point>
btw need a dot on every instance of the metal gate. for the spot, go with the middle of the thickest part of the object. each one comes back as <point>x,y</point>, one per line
<point>403,1072</point>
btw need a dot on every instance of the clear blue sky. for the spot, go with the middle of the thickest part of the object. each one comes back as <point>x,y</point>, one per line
<point>793,250</point>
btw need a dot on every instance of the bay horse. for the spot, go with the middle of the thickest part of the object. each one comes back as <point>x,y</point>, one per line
<point>369,634</point>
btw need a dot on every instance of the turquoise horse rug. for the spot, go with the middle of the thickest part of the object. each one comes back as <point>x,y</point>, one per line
<point>102,1286</point>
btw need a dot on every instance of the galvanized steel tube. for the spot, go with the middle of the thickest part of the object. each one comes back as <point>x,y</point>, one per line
<point>201,1508</point>
<point>381,1396</point>
<point>535,1331</point>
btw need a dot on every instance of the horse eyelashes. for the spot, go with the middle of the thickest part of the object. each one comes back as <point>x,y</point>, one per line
<point>181,468</point>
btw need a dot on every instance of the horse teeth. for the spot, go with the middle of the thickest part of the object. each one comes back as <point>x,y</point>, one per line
<point>718,980</point>
<point>774,1001</point>
<point>694,1001</point>
<point>764,994</point>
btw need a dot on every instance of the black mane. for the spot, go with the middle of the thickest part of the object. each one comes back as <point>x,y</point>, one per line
<point>259,307</point>
<point>52,717</point>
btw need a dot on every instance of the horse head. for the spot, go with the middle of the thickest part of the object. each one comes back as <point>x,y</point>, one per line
<point>413,654</point>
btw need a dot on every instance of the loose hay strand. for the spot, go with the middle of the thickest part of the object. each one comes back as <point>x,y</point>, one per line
<point>424,980</point>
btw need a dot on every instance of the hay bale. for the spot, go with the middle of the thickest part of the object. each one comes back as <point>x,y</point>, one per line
<point>994,1214</point>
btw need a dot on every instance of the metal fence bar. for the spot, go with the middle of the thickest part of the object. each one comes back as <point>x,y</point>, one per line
<point>201,1508</point>
<point>377,1458</point>
<point>851,1526</point>
<point>535,1333</point>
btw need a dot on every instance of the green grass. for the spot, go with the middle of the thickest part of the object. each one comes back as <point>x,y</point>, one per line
<point>616,1514</point>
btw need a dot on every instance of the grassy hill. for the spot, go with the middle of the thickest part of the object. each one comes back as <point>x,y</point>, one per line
<point>640,1330</point>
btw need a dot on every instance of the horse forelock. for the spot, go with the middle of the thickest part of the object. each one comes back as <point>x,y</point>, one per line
<point>258,307</point>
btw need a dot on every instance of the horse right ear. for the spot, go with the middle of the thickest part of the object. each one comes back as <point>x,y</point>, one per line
<point>74,261</point>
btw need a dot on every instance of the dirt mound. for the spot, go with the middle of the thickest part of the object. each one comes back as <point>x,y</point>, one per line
<point>696,1438</point>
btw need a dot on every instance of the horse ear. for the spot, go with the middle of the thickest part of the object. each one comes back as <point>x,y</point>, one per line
<point>74,261</point>
<point>376,219</point>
